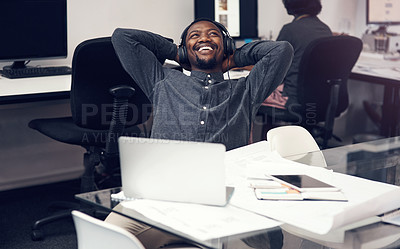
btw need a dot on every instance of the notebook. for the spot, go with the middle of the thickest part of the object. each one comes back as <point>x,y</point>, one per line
<point>181,171</point>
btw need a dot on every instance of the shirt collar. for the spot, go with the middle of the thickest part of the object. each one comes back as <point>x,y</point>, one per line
<point>217,76</point>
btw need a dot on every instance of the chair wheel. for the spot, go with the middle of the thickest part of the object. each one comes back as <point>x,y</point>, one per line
<point>37,235</point>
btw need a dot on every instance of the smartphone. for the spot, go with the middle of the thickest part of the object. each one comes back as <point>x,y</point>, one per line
<point>304,183</point>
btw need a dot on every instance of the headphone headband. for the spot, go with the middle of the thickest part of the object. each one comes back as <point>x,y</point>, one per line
<point>221,27</point>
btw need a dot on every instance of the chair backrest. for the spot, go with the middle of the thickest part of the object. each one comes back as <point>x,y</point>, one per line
<point>325,61</point>
<point>95,69</point>
<point>295,143</point>
<point>93,233</point>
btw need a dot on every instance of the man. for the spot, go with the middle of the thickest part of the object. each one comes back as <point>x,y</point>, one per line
<point>203,106</point>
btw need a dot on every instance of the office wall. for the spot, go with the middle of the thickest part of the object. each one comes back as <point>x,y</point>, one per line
<point>93,18</point>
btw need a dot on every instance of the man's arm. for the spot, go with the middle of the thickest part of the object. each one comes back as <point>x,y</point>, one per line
<point>271,61</point>
<point>141,54</point>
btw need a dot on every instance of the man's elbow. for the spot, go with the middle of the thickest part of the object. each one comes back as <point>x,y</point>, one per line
<point>286,50</point>
<point>117,34</point>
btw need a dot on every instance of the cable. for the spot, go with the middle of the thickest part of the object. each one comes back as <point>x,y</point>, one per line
<point>229,101</point>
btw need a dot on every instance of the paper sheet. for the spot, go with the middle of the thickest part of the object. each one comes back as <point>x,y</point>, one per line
<point>375,65</point>
<point>201,221</point>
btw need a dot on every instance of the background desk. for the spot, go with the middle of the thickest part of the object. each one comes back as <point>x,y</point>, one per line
<point>373,68</point>
<point>27,157</point>
<point>38,88</point>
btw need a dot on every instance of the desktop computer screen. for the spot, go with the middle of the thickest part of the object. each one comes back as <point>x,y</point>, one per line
<point>32,30</point>
<point>384,12</point>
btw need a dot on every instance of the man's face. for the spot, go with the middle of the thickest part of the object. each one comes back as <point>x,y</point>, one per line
<point>205,48</point>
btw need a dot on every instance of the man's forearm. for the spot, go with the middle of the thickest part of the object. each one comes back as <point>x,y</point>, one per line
<point>160,46</point>
<point>251,53</point>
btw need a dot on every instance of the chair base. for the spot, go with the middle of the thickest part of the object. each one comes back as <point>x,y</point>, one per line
<point>37,233</point>
<point>89,182</point>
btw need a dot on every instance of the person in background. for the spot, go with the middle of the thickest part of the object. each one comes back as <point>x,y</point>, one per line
<point>203,106</point>
<point>305,28</point>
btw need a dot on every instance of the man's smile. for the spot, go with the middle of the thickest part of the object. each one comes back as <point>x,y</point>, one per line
<point>204,48</point>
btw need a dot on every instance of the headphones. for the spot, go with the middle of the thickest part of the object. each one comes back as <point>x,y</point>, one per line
<point>228,42</point>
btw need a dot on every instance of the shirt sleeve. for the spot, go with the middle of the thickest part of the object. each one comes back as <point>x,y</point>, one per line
<point>271,60</point>
<point>141,54</point>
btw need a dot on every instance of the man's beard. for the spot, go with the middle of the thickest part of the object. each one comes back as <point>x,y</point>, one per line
<point>206,64</point>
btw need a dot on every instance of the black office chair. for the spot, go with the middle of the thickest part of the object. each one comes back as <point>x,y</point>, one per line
<point>105,103</point>
<point>322,87</point>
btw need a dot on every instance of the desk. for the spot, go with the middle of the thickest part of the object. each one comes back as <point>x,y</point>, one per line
<point>34,89</point>
<point>373,68</point>
<point>27,157</point>
<point>364,160</point>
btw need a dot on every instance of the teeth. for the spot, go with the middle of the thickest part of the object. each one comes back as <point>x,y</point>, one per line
<point>205,48</point>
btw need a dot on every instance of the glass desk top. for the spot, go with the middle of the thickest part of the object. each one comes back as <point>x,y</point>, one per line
<point>377,160</point>
<point>102,199</point>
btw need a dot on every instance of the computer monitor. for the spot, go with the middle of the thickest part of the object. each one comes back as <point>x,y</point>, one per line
<point>32,30</point>
<point>240,17</point>
<point>383,13</point>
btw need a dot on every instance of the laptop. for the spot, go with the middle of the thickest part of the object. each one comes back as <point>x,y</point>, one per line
<point>181,171</point>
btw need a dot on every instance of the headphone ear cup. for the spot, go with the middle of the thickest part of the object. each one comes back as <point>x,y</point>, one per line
<point>182,54</point>
<point>229,45</point>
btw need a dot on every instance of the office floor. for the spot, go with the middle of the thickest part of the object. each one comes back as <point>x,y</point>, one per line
<point>20,208</point>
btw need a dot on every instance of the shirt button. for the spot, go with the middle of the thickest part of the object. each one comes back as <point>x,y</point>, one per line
<point>209,76</point>
<point>204,107</point>
<point>201,122</point>
<point>209,81</point>
<point>206,87</point>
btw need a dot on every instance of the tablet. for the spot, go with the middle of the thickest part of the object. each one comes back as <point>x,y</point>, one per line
<point>304,183</point>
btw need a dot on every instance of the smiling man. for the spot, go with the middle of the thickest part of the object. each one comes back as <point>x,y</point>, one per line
<point>203,106</point>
